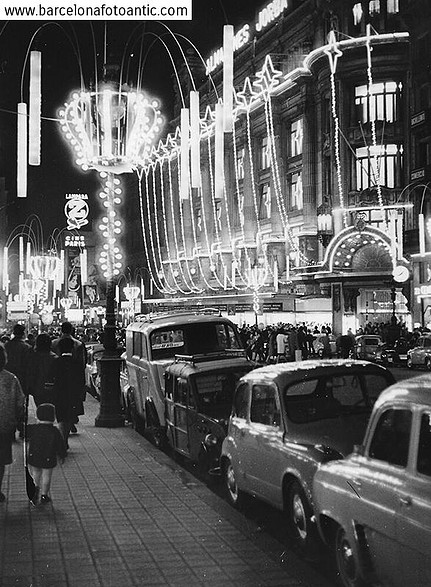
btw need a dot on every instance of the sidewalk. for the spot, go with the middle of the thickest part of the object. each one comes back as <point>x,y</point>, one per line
<point>125,514</point>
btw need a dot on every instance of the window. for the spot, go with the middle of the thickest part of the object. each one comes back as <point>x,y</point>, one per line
<point>265,201</point>
<point>137,344</point>
<point>381,103</point>
<point>391,439</point>
<point>424,452</point>
<point>296,200</point>
<point>240,156</point>
<point>241,401</point>
<point>296,136</point>
<point>264,406</point>
<point>378,166</point>
<point>180,392</point>
<point>265,153</point>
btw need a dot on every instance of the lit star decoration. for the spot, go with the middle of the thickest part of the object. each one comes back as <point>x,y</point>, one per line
<point>268,77</point>
<point>333,52</point>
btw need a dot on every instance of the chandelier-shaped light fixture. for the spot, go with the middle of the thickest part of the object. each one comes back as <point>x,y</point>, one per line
<point>110,130</point>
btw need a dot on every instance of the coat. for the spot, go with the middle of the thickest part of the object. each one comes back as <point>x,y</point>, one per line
<point>69,388</point>
<point>41,376</point>
<point>12,402</point>
<point>45,444</point>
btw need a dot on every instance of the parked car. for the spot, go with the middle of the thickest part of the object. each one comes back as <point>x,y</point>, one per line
<point>152,342</point>
<point>366,346</point>
<point>396,355</point>
<point>374,507</point>
<point>287,420</point>
<point>198,400</point>
<point>420,355</point>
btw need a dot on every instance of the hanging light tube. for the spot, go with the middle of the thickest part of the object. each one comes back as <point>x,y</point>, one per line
<point>107,123</point>
<point>195,140</point>
<point>5,284</point>
<point>28,258</point>
<point>22,152</point>
<point>228,78</point>
<point>219,153</point>
<point>35,107</point>
<point>84,270</point>
<point>185,138</point>
<point>21,254</point>
<point>421,226</point>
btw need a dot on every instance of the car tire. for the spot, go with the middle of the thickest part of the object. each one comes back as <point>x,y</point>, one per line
<point>409,363</point>
<point>428,364</point>
<point>345,561</point>
<point>234,495</point>
<point>299,516</point>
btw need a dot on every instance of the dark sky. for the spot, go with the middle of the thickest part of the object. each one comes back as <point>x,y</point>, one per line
<point>58,174</point>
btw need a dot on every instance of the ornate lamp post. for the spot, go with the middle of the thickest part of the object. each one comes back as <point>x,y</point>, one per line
<point>110,130</point>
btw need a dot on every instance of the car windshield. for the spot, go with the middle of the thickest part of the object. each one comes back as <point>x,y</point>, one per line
<point>333,396</point>
<point>215,391</point>
<point>192,339</point>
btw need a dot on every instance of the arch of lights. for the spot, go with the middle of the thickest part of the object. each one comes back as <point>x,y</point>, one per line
<point>206,265</point>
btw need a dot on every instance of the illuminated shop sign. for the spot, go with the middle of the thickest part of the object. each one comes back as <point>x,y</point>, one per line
<point>265,17</point>
<point>76,210</point>
<point>74,240</point>
<point>423,290</point>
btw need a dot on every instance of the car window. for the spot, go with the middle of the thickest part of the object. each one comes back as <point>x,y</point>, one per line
<point>215,391</point>
<point>391,438</point>
<point>427,342</point>
<point>240,404</point>
<point>180,392</point>
<point>424,451</point>
<point>333,395</point>
<point>137,344</point>
<point>264,405</point>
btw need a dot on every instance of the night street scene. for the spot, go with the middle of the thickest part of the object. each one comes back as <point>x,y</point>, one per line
<point>215,293</point>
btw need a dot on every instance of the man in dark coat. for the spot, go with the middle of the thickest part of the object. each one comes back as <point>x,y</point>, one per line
<point>69,387</point>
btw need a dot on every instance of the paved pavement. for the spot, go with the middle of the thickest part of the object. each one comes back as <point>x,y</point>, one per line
<point>125,514</point>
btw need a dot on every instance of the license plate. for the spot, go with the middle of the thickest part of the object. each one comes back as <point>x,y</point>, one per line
<point>390,360</point>
<point>403,356</point>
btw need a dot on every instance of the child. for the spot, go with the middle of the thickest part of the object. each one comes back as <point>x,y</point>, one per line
<point>45,445</point>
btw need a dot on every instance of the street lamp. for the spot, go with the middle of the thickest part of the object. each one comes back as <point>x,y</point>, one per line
<point>110,130</point>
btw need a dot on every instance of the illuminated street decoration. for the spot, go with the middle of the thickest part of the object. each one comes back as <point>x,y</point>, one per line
<point>35,107</point>
<point>333,53</point>
<point>111,130</point>
<point>110,227</point>
<point>22,151</point>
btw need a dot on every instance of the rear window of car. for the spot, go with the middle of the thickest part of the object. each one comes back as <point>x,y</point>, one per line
<point>193,339</point>
<point>333,396</point>
<point>371,341</point>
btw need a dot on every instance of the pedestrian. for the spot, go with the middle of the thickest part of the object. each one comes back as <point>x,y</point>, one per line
<point>79,352</point>
<point>12,402</point>
<point>41,370</point>
<point>45,446</point>
<point>69,387</point>
<point>18,352</point>
<point>280,342</point>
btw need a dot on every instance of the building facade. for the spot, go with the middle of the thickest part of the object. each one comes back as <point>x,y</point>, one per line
<point>306,199</point>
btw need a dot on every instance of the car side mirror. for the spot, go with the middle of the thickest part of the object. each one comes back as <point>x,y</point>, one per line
<point>359,449</point>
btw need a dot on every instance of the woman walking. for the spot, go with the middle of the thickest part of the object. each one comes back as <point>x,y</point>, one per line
<point>12,402</point>
<point>41,370</point>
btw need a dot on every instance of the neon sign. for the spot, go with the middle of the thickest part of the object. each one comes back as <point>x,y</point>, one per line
<point>76,210</point>
<point>265,17</point>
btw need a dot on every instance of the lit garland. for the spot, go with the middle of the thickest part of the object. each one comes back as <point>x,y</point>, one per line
<point>110,227</point>
<point>373,125</point>
<point>333,53</point>
<point>165,226</point>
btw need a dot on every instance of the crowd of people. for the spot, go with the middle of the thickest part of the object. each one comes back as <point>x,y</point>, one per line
<point>50,367</point>
<point>287,342</point>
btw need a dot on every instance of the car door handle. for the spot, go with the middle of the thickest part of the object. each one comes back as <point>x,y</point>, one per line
<point>406,501</point>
